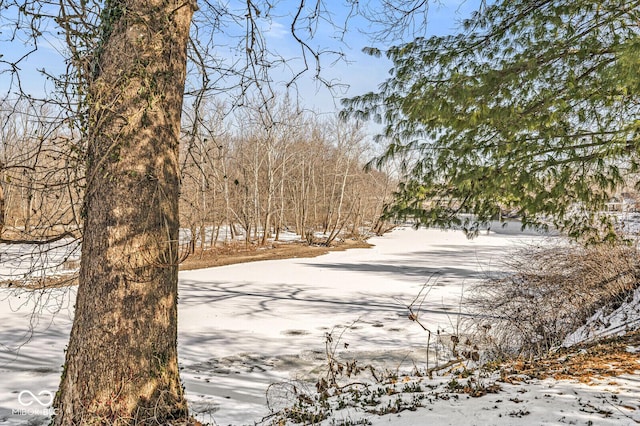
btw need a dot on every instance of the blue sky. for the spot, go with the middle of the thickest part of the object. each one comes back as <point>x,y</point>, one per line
<point>360,74</point>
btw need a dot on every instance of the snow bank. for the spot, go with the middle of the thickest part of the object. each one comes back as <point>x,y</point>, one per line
<point>606,323</point>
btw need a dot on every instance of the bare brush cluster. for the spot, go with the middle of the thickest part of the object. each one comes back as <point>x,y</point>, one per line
<point>550,291</point>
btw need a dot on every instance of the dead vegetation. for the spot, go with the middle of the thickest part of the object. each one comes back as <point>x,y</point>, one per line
<point>605,358</point>
<point>228,254</point>
<point>549,292</point>
<point>360,390</point>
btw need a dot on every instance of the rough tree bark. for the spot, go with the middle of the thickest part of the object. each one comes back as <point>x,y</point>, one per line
<point>121,363</point>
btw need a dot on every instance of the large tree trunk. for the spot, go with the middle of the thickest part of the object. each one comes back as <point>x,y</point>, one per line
<point>122,363</point>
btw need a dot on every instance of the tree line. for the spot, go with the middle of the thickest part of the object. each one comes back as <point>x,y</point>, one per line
<point>275,170</point>
<point>241,179</point>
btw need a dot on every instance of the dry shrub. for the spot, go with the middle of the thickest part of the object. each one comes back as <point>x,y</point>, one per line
<point>550,291</point>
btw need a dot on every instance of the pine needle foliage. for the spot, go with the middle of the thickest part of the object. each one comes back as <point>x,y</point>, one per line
<point>533,107</point>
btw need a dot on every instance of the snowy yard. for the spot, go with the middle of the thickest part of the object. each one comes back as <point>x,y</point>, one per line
<point>245,326</point>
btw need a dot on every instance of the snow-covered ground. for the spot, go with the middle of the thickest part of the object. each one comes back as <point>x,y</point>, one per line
<point>243,327</point>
